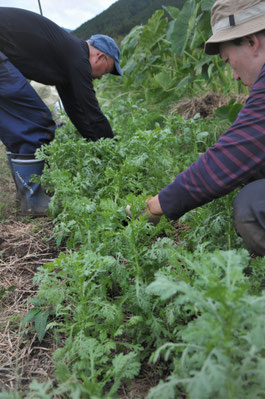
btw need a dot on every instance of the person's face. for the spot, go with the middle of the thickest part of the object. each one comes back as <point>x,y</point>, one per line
<point>241,59</point>
<point>100,65</point>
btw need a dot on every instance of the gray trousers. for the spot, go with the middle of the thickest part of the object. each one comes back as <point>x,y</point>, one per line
<point>249,215</point>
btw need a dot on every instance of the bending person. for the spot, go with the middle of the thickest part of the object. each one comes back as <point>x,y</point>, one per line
<point>33,47</point>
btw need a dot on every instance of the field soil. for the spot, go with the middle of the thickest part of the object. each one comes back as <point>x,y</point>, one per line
<point>24,246</point>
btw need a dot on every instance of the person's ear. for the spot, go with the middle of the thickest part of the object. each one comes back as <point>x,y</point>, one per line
<point>97,57</point>
<point>254,43</point>
<point>101,56</point>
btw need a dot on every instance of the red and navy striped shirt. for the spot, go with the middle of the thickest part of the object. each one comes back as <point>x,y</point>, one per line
<point>235,159</point>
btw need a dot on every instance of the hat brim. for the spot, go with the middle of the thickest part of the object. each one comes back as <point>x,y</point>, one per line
<point>233,32</point>
<point>117,69</point>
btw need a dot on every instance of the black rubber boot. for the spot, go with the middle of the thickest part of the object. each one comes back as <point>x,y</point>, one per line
<point>33,200</point>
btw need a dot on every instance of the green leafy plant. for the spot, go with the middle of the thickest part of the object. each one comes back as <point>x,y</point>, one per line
<point>218,352</point>
<point>39,314</point>
<point>228,112</point>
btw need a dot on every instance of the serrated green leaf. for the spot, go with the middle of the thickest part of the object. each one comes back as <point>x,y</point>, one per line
<point>126,366</point>
<point>163,287</point>
<point>41,319</point>
<point>62,372</point>
<point>30,316</point>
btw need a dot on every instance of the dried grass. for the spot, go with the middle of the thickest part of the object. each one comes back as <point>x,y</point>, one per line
<point>22,251</point>
<point>204,105</point>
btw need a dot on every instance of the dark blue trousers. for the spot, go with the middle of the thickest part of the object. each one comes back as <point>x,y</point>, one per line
<point>25,121</point>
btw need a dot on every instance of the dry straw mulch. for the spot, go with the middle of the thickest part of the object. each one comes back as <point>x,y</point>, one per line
<point>204,105</point>
<point>22,250</point>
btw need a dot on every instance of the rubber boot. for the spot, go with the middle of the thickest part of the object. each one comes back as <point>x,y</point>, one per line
<point>11,155</point>
<point>33,200</point>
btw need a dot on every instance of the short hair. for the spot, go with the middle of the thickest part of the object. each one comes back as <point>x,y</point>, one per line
<point>238,41</point>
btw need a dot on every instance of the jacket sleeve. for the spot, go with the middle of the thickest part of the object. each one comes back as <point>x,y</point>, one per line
<point>81,105</point>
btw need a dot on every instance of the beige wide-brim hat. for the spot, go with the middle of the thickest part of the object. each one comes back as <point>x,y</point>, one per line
<point>232,19</point>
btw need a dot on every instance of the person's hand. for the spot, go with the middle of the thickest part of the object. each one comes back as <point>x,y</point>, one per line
<point>152,210</point>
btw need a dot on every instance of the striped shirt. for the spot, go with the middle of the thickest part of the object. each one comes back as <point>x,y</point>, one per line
<point>235,159</point>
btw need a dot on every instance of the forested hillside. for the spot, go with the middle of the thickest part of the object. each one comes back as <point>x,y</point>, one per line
<point>122,16</point>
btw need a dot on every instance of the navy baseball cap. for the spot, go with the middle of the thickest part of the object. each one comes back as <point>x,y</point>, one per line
<point>108,46</point>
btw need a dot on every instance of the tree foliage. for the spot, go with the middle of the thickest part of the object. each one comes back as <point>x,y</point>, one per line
<point>122,16</point>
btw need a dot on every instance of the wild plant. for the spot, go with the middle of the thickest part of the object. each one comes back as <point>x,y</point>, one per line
<point>221,351</point>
